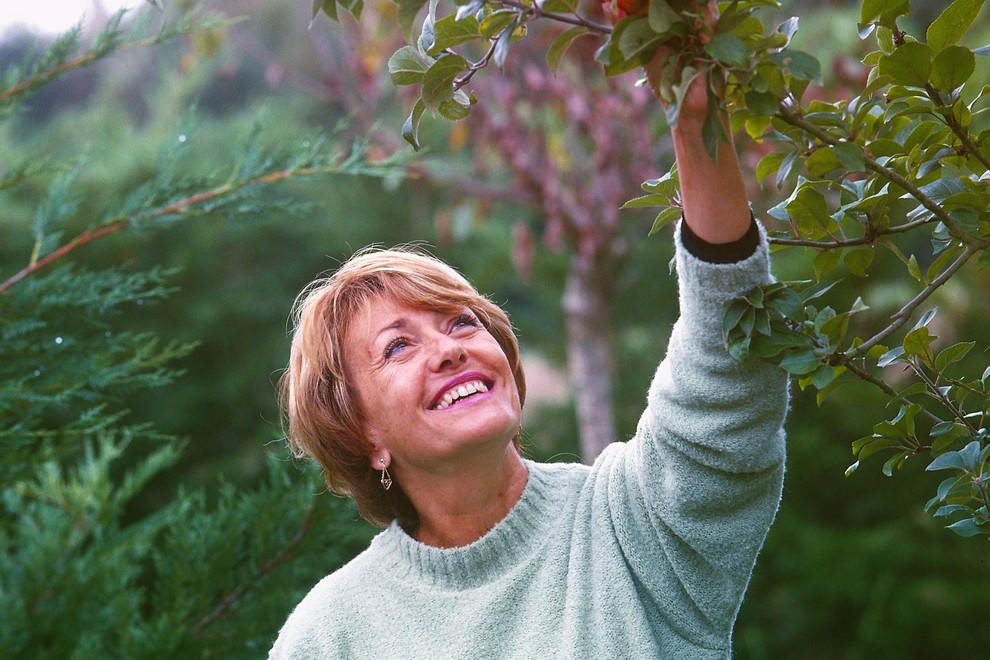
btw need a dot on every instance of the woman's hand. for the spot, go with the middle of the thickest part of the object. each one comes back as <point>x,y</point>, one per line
<point>687,53</point>
<point>713,194</point>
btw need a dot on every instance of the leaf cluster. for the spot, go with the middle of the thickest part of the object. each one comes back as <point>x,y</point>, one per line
<point>908,156</point>
<point>735,47</point>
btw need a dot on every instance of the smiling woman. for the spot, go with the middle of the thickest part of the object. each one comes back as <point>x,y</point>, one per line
<point>379,348</point>
<point>405,384</point>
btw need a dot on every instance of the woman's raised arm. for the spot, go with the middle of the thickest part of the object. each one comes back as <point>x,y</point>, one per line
<point>714,198</point>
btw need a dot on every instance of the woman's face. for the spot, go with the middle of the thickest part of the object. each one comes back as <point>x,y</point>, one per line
<point>433,386</point>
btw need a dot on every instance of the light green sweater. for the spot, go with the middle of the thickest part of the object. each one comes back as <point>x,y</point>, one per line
<point>645,554</point>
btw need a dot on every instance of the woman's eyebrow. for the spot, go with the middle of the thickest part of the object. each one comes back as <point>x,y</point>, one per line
<point>397,324</point>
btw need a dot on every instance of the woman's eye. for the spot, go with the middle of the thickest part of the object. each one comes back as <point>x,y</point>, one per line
<point>395,346</point>
<point>466,319</point>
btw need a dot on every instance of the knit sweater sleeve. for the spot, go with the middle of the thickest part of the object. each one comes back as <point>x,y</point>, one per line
<point>701,480</point>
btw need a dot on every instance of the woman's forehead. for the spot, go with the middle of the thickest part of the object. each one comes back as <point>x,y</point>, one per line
<point>385,311</point>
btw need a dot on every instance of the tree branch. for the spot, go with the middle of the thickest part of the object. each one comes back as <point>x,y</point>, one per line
<point>572,19</point>
<point>865,375</point>
<point>182,206</point>
<point>956,127</point>
<point>956,411</point>
<point>864,240</point>
<point>955,230</point>
<point>904,313</point>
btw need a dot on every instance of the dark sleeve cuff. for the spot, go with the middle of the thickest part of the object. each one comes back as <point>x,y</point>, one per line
<point>721,253</point>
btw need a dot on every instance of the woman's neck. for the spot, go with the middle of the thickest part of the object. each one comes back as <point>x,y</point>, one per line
<point>457,511</point>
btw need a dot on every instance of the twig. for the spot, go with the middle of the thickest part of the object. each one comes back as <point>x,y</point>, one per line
<point>864,375</point>
<point>956,127</point>
<point>864,240</point>
<point>572,19</point>
<point>476,66</point>
<point>955,230</point>
<point>904,313</point>
<point>957,412</point>
<point>181,206</point>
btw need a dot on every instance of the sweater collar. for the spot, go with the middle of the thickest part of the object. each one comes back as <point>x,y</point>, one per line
<point>520,533</point>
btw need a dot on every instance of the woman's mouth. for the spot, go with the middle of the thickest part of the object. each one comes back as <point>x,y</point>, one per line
<point>460,392</point>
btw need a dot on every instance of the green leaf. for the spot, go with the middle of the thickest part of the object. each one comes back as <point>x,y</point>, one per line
<point>502,44</point>
<point>894,355</point>
<point>772,77</point>
<point>952,67</point>
<point>449,32</point>
<point>561,44</point>
<point>652,199</point>
<point>910,64</point>
<point>953,23</point>
<point>410,129</point>
<point>970,455</point>
<point>883,10</point>
<point>949,509</point>
<point>786,301</point>
<point>948,486</point>
<point>638,41</point>
<point>713,130</point>
<point>914,270</point>
<point>823,377</point>
<point>769,164</point>
<point>666,185</point>
<point>918,342</point>
<point>801,65</point>
<point>761,103</point>
<point>851,156</point>
<point>496,22</point>
<point>662,18</point>
<point>728,48</point>
<point>822,161</point>
<point>438,81</point>
<point>407,66</point>
<point>733,315</point>
<point>785,168</point>
<point>664,218</point>
<point>825,262</point>
<point>456,108</point>
<point>895,462</point>
<point>800,362</point>
<point>407,11</point>
<point>953,354</point>
<point>328,7</point>
<point>874,445</point>
<point>926,318</point>
<point>353,6</point>
<point>858,260</point>
<point>966,527</point>
<point>781,340</point>
<point>810,212</point>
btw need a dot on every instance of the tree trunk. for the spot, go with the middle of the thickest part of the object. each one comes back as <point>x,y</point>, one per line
<point>589,352</point>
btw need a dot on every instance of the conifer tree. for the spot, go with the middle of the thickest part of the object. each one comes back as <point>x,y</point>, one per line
<point>83,573</point>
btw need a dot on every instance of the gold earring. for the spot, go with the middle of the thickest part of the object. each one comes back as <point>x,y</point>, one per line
<point>386,477</point>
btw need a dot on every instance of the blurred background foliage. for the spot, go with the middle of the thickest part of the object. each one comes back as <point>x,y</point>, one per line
<point>852,569</point>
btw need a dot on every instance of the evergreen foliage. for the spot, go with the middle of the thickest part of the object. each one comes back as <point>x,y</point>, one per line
<point>86,570</point>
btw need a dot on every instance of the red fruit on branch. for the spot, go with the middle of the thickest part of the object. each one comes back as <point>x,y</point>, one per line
<point>616,10</point>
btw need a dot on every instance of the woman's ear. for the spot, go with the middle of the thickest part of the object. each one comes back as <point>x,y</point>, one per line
<point>380,458</point>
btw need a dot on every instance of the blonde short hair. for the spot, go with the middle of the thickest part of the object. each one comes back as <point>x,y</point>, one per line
<point>320,405</point>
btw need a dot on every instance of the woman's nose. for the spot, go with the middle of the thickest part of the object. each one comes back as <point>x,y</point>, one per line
<point>448,352</point>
